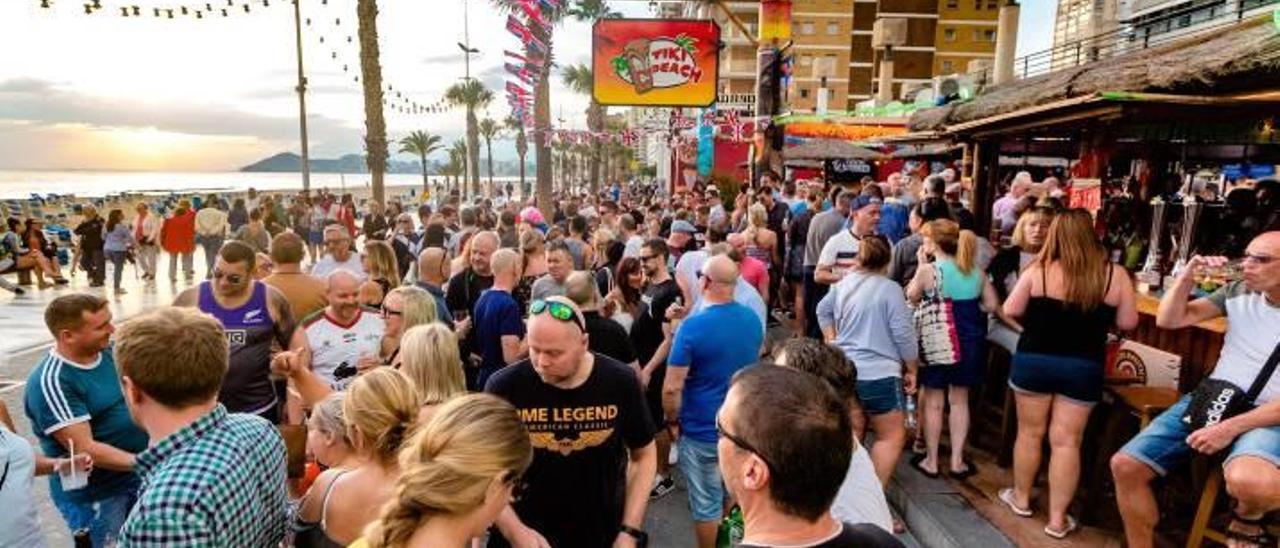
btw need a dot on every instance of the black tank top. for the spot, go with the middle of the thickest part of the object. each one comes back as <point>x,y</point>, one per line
<point>1057,328</point>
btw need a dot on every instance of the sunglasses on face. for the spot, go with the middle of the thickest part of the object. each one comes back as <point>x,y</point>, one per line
<point>1255,258</point>
<point>557,310</point>
<point>389,312</point>
<point>741,443</point>
<point>231,278</point>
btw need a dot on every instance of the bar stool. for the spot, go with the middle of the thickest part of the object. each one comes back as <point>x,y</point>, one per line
<point>1201,528</point>
<point>1142,402</point>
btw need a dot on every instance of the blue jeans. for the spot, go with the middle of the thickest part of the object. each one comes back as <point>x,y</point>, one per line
<point>117,262</point>
<point>1163,444</point>
<point>102,518</point>
<point>211,245</point>
<point>701,467</point>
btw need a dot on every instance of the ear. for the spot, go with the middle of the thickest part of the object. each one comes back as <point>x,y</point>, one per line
<point>131,392</point>
<point>755,474</point>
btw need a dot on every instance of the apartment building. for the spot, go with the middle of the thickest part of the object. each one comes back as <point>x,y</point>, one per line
<point>966,36</point>
<point>1077,23</point>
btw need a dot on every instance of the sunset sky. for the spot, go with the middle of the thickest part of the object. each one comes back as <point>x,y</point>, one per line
<point>109,92</point>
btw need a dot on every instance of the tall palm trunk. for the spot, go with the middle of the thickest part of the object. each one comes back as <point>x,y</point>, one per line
<point>425,183</point>
<point>522,149</point>
<point>542,121</point>
<point>473,151</point>
<point>488,149</point>
<point>595,122</point>
<point>375,138</point>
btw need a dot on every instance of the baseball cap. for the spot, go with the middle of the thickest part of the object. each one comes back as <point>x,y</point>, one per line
<point>680,225</point>
<point>862,201</point>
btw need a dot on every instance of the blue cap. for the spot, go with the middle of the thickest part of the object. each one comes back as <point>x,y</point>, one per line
<point>680,225</point>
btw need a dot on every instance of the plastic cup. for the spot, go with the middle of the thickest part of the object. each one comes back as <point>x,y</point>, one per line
<point>71,478</point>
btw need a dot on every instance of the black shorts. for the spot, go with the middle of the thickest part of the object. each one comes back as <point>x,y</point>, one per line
<point>653,395</point>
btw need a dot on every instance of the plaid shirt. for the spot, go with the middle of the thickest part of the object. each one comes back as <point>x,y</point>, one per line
<point>218,482</point>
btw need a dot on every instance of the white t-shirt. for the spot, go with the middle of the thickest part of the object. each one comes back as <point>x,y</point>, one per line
<point>1251,337</point>
<point>333,344</point>
<point>328,265</point>
<point>19,523</point>
<point>861,498</point>
<point>743,293</point>
<point>840,252</point>
<point>634,243</point>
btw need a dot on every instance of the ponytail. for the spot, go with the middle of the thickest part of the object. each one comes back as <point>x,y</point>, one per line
<point>967,251</point>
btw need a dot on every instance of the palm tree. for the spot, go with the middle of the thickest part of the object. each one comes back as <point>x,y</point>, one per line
<point>578,78</point>
<point>458,156</point>
<point>421,144</point>
<point>489,130</point>
<point>522,149</point>
<point>375,136</point>
<point>471,94</point>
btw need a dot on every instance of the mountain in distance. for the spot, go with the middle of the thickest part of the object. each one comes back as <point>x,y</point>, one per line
<point>288,162</point>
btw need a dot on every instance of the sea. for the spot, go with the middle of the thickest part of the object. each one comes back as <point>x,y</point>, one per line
<point>97,184</point>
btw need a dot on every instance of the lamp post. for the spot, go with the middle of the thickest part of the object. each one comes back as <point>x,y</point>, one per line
<point>302,97</point>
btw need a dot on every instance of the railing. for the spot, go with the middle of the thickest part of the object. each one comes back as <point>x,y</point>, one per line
<point>1136,34</point>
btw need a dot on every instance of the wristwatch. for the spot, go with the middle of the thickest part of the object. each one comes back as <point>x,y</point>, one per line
<point>642,538</point>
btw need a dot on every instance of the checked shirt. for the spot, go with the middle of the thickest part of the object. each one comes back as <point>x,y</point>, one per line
<point>218,482</point>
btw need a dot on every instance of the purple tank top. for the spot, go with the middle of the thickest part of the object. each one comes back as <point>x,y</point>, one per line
<point>249,329</point>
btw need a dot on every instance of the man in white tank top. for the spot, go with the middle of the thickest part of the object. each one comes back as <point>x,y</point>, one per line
<point>331,341</point>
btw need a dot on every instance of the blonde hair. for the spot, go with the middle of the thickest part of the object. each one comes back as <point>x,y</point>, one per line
<point>961,244</point>
<point>448,466</point>
<point>380,410</point>
<point>429,358</point>
<point>1073,245</point>
<point>382,262</point>
<point>1019,237</point>
<point>757,216</point>
<point>417,306</point>
<point>326,417</point>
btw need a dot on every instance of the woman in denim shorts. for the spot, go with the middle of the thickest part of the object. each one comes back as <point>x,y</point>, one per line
<point>1067,300</point>
<point>865,315</point>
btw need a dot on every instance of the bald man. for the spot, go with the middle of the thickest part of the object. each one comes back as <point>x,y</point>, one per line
<point>709,347</point>
<point>464,288</point>
<point>1250,440</point>
<point>331,342</point>
<point>499,321</point>
<point>433,272</point>
<point>591,433</point>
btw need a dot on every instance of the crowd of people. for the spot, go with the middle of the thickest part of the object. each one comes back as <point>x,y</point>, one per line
<point>474,372</point>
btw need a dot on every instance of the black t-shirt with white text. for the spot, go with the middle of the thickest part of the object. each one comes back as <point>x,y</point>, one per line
<point>576,486</point>
<point>862,535</point>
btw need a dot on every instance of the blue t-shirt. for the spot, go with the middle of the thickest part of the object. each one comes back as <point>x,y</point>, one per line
<point>61,393</point>
<point>714,344</point>
<point>496,314</point>
<point>893,221</point>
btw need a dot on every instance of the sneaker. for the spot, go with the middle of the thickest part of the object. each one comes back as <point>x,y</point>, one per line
<point>661,488</point>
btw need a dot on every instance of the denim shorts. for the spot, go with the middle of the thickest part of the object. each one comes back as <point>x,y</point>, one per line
<point>1076,379</point>
<point>881,396</point>
<point>103,518</point>
<point>701,468</point>
<point>1163,444</point>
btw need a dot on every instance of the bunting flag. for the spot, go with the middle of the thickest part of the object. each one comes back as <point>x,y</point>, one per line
<point>629,137</point>
<point>531,9</point>
<point>515,27</point>
<point>524,74</point>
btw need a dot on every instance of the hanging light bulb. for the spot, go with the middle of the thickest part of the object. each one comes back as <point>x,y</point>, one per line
<point>88,9</point>
<point>265,3</point>
<point>184,10</point>
<point>44,4</point>
<point>124,11</point>
<point>224,12</point>
<point>208,7</point>
<point>170,13</point>
<point>137,11</point>
<point>231,3</point>
<point>156,11</point>
<point>348,39</point>
<point>335,54</point>
<point>199,15</point>
<point>308,21</point>
<point>246,8</point>
<point>97,4</point>
<point>321,39</point>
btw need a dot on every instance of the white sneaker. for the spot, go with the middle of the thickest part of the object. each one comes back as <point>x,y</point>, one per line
<point>674,456</point>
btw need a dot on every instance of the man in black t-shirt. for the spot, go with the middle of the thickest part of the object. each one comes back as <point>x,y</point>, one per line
<point>651,335</point>
<point>589,426</point>
<point>464,288</point>
<point>784,445</point>
<point>604,335</point>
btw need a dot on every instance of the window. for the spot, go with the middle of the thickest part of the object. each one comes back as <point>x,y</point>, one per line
<point>804,93</point>
<point>977,5</point>
<point>949,35</point>
<point>977,35</point>
<point>806,60</point>
<point>989,35</point>
<point>953,4</point>
<point>833,28</point>
<point>992,5</point>
<point>947,67</point>
<point>806,28</point>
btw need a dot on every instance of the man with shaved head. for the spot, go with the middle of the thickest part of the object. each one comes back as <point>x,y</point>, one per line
<point>464,288</point>
<point>709,348</point>
<point>499,321</point>
<point>433,272</point>
<point>594,456</point>
<point>331,341</point>
<point>1250,440</point>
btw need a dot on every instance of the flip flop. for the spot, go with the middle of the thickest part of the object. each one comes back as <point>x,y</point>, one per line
<point>915,463</point>
<point>1071,528</point>
<point>969,470</point>
<point>1006,496</point>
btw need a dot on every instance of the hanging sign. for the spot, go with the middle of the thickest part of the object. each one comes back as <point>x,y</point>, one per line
<point>655,62</point>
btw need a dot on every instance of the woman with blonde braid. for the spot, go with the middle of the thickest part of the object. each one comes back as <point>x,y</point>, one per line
<point>429,358</point>
<point>459,473</point>
<point>380,410</point>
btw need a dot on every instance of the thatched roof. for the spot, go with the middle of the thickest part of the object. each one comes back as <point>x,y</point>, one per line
<point>824,149</point>
<point>1239,58</point>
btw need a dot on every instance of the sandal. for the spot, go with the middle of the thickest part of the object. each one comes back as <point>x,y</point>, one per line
<point>1006,496</point>
<point>969,470</point>
<point>916,462</point>
<point>1262,538</point>
<point>1072,525</point>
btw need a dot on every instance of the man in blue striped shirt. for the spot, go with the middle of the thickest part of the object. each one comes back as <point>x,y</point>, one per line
<point>73,399</point>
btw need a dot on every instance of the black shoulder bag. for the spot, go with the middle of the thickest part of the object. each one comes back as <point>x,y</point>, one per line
<point>1216,400</point>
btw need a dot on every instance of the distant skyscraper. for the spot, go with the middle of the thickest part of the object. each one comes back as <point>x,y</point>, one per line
<point>1074,30</point>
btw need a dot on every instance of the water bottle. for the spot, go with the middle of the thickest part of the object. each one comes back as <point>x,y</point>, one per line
<point>911,412</point>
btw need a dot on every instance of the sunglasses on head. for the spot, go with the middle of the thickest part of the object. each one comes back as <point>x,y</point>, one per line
<point>557,310</point>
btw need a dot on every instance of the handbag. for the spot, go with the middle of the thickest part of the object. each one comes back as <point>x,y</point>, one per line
<point>936,326</point>
<point>1216,400</point>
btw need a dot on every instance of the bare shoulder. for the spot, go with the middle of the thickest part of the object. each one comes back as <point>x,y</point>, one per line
<point>187,297</point>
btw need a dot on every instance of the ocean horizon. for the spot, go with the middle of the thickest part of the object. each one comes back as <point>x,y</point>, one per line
<point>22,184</point>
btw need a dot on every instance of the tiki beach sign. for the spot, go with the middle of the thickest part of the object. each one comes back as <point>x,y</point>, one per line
<point>655,62</point>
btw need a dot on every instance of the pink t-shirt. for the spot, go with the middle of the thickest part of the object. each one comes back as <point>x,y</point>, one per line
<point>755,273</point>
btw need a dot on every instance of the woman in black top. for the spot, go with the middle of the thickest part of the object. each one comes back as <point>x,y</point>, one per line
<point>1067,301</point>
<point>92,258</point>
